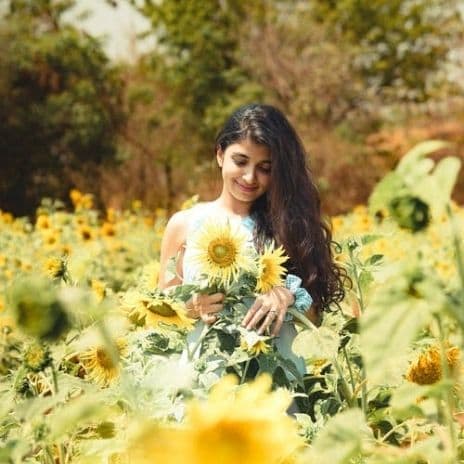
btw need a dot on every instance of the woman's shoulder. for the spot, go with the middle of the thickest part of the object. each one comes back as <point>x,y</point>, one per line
<point>180,222</point>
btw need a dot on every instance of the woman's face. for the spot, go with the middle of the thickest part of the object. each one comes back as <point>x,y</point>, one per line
<point>246,170</point>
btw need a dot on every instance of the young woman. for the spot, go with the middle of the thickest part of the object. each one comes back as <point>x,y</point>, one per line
<point>268,186</point>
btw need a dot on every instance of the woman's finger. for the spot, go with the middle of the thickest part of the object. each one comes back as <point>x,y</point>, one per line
<point>213,308</point>
<point>268,320</point>
<point>278,323</point>
<point>215,297</point>
<point>208,318</point>
<point>260,314</point>
<point>251,312</point>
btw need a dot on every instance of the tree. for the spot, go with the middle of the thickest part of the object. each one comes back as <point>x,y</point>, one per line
<point>60,104</point>
<point>402,44</point>
<point>196,54</point>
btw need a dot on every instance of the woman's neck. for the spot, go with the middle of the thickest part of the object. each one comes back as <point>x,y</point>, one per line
<point>233,208</point>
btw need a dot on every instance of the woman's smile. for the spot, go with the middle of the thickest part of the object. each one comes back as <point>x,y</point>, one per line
<point>245,188</point>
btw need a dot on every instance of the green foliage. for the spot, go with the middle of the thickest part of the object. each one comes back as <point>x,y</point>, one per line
<point>402,44</point>
<point>416,186</point>
<point>60,103</point>
<point>37,308</point>
<point>342,438</point>
<point>198,43</point>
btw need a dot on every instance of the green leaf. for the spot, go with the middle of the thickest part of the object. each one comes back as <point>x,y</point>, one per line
<point>237,357</point>
<point>369,238</point>
<point>289,367</point>
<point>398,311</point>
<point>411,400</point>
<point>77,413</point>
<point>319,343</point>
<point>413,157</point>
<point>341,439</point>
<point>436,189</point>
<point>390,186</point>
<point>374,259</point>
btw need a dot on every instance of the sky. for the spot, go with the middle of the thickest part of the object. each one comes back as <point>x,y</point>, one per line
<point>118,26</point>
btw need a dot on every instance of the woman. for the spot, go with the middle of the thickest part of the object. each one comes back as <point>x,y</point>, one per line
<point>268,186</point>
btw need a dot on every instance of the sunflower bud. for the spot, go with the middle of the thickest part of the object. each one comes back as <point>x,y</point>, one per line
<point>410,212</point>
<point>37,309</point>
<point>37,357</point>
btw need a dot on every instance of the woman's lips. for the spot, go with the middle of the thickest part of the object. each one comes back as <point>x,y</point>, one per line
<point>246,189</point>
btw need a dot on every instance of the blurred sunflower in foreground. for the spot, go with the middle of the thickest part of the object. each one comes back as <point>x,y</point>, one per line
<point>246,425</point>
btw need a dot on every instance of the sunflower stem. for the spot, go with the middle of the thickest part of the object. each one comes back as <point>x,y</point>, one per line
<point>447,396</point>
<point>55,379</point>
<point>350,370</point>
<point>245,370</point>
<point>303,319</point>
<point>457,245</point>
<point>360,298</point>
<point>345,388</point>
<point>202,336</point>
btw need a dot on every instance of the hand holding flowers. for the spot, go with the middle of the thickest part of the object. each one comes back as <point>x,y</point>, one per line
<point>205,307</point>
<point>269,309</point>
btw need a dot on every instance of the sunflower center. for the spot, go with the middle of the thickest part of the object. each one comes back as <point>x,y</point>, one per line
<point>163,309</point>
<point>104,359</point>
<point>222,252</point>
<point>264,270</point>
<point>230,440</point>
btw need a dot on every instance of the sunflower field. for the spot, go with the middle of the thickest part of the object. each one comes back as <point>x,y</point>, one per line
<point>95,365</point>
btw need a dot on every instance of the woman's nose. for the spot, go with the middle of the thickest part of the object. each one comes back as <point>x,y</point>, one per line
<point>249,176</point>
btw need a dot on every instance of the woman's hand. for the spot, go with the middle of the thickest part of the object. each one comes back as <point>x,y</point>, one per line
<point>205,307</point>
<point>269,308</point>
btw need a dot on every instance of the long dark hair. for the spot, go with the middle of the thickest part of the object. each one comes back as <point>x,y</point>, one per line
<point>289,212</point>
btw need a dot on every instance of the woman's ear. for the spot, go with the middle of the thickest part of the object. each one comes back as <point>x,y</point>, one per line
<point>219,157</point>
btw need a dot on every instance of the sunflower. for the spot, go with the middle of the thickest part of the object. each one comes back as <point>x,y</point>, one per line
<point>50,236</point>
<point>270,269</point>
<point>54,267</point>
<point>427,369</point>
<point>247,424</point>
<point>253,343</point>
<point>107,229</point>
<point>99,289</point>
<point>100,365</point>
<point>86,233</point>
<point>80,200</point>
<point>221,250</point>
<point>42,222</point>
<point>155,310</point>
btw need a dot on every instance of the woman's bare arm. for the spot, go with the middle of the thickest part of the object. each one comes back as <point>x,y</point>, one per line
<point>172,246</point>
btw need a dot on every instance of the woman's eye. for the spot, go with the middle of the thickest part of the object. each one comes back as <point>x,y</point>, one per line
<point>240,163</point>
<point>265,170</point>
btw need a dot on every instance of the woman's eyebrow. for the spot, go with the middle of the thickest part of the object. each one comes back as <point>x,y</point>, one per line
<point>240,154</point>
<point>243,155</point>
